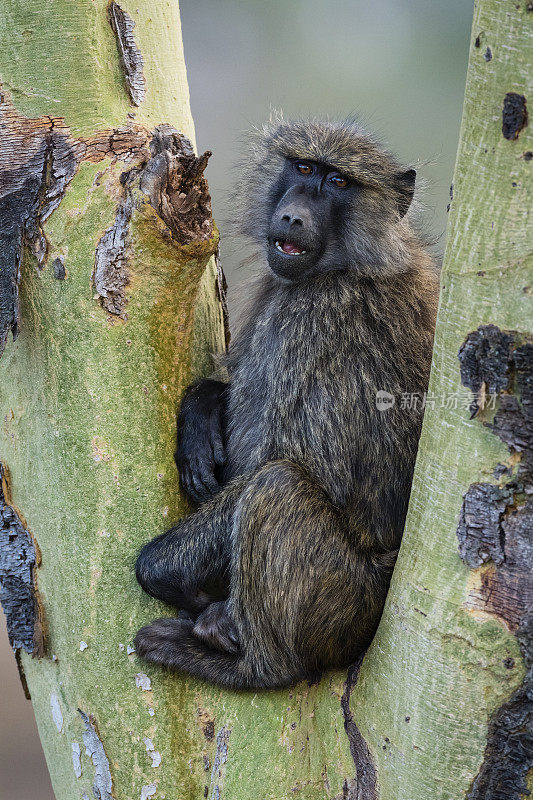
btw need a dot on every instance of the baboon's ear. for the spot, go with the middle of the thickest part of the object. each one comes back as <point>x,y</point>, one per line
<point>405,187</point>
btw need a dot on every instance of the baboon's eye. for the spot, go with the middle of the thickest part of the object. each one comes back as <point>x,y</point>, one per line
<point>338,180</point>
<point>304,168</point>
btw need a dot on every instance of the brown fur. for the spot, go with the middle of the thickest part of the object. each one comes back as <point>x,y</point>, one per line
<point>316,479</point>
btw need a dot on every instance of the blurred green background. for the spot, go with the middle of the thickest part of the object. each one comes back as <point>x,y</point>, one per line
<point>400,65</point>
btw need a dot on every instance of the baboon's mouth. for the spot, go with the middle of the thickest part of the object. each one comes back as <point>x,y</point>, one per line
<point>289,248</point>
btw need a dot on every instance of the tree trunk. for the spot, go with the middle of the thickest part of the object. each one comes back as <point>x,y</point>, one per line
<point>104,211</point>
<point>118,312</point>
<point>443,699</point>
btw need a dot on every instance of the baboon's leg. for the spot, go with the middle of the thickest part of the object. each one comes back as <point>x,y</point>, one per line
<point>171,643</point>
<point>298,579</point>
<point>302,596</point>
<point>176,566</point>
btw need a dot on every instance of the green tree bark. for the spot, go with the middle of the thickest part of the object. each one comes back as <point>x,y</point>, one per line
<point>442,696</point>
<point>89,389</point>
<point>118,311</point>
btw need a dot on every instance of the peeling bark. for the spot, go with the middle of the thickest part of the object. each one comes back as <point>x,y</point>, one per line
<point>221,290</point>
<point>500,530</point>
<point>110,275</point>
<point>219,761</point>
<point>37,161</point>
<point>130,55</point>
<point>19,558</point>
<point>103,783</point>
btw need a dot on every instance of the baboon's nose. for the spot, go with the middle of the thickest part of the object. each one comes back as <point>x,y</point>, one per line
<point>291,219</point>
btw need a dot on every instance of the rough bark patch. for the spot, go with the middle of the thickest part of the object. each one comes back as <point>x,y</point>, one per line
<point>480,530</point>
<point>514,115</point>
<point>484,361</point>
<point>58,266</point>
<point>508,590</point>
<point>495,525</point>
<point>103,783</point>
<point>38,159</point>
<point>206,722</point>
<point>18,560</point>
<point>130,55</point>
<point>365,785</point>
<point>495,522</point>
<point>110,275</point>
<point>127,143</point>
<point>513,421</point>
<point>219,761</point>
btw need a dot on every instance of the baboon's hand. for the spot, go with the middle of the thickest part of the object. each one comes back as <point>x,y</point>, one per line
<point>200,440</point>
<point>217,629</point>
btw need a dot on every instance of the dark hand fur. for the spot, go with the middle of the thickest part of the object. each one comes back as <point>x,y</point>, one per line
<point>200,445</point>
<point>316,479</point>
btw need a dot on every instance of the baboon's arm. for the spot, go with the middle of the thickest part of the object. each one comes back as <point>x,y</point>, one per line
<point>201,439</point>
<point>178,565</point>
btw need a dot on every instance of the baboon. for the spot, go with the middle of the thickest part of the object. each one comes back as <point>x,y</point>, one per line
<point>302,475</point>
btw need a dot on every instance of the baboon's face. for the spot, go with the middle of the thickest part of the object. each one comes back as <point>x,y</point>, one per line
<point>309,206</point>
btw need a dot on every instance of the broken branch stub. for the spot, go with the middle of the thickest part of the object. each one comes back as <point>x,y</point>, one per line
<point>172,180</point>
<point>174,183</point>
